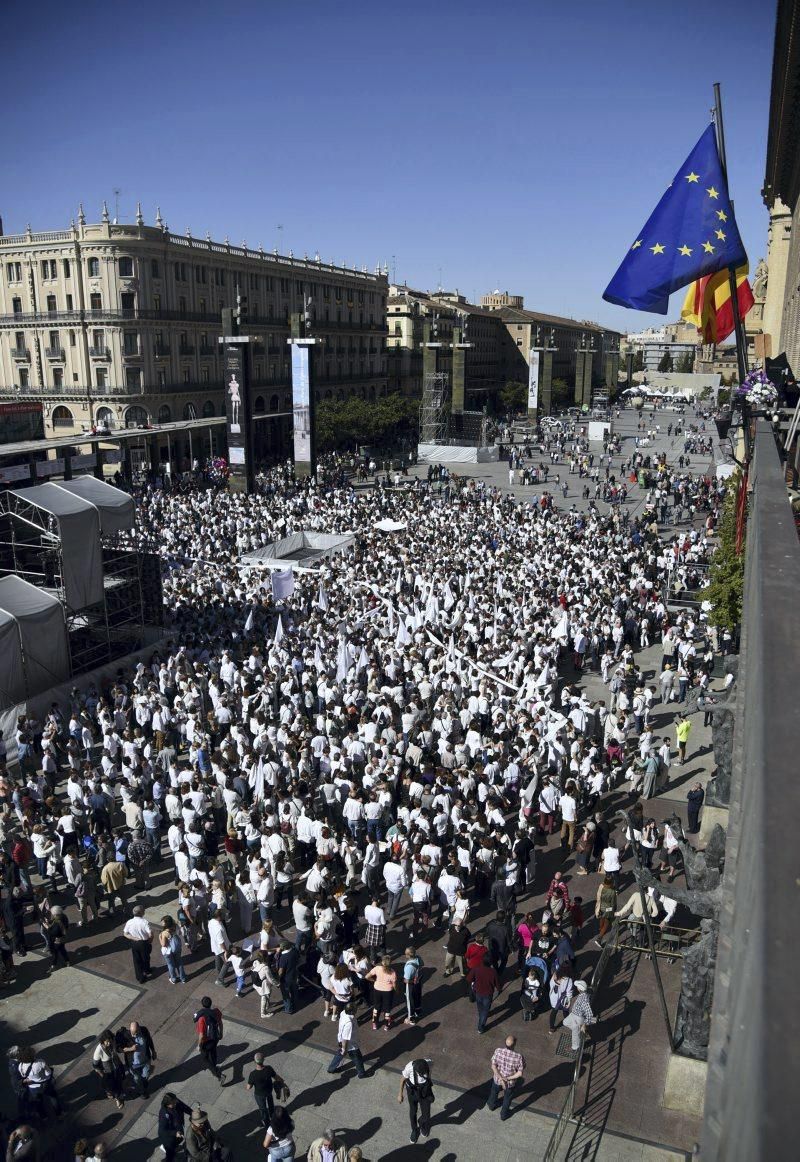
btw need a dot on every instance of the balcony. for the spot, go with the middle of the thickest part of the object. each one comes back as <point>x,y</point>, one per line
<point>21,353</point>
<point>103,353</point>
<point>56,353</point>
<point>161,350</point>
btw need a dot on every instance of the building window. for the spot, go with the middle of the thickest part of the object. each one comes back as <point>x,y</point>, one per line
<point>155,271</point>
<point>182,305</point>
<point>189,411</point>
<point>58,377</point>
<point>24,377</point>
<point>180,272</point>
<point>136,417</point>
<point>128,301</point>
<point>126,267</point>
<point>203,305</point>
<point>204,374</point>
<point>62,417</point>
<point>49,268</point>
<point>187,375</point>
<point>208,409</point>
<point>164,414</point>
<point>130,341</point>
<point>104,417</point>
<point>14,271</point>
<point>157,303</point>
<point>16,306</point>
<point>69,302</point>
<point>133,378</point>
<point>94,267</point>
<point>200,274</point>
<point>72,338</point>
<point>161,378</point>
<point>51,304</point>
<point>101,377</point>
<point>96,302</point>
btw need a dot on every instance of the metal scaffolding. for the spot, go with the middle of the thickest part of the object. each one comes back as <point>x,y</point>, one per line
<point>434,412</point>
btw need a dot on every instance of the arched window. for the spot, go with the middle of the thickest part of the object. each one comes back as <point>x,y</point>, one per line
<point>62,417</point>
<point>258,406</point>
<point>208,409</point>
<point>164,413</point>
<point>189,411</point>
<point>329,394</point>
<point>273,403</point>
<point>104,417</point>
<point>136,417</point>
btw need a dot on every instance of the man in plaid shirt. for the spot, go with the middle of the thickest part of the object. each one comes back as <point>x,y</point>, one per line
<point>508,1067</point>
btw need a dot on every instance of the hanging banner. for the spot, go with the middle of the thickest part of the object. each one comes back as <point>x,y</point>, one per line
<point>533,380</point>
<point>237,411</point>
<point>301,409</point>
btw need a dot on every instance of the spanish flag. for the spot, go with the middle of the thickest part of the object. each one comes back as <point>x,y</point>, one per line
<point>708,304</point>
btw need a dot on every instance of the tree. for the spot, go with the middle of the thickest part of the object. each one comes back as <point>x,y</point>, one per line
<point>638,360</point>
<point>341,424</point>
<point>685,361</point>
<point>665,363</point>
<point>514,396</point>
<point>561,394</point>
<point>726,573</point>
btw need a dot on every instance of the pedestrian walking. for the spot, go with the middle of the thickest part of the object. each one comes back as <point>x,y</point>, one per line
<point>485,982</point>
<point>172,950</point>
<point>54,928</point>
<point>580,1015</point>
<point>416,1082</point>
<point>171,1121</point>
<point>265,1084</point>
<point>138,1053</point>
<point>347,1037</point>
<point>108,1065</point>
<point>329,1148</point>
<point>203,1143</point>
<point>208,1030</point>
<point>383,979</point>
<point>138,931</point>
<point>287,965</point>
<point>695,797</point>
<point>508,1067</point>
<point>683,728</point>
<point>279,1138</point>
<point>412,982</point>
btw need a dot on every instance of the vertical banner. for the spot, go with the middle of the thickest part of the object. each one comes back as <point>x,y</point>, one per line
<point>237,411</point>
<point>457,397</point>
<point>301,410</point>
<point>533,381</point>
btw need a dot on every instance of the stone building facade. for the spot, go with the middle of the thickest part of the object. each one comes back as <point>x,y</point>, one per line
<point>116,325</point>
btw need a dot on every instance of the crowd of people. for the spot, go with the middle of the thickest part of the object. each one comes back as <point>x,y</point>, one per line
<point>332,772</point>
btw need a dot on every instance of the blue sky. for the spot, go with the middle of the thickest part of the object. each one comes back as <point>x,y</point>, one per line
<point>518,146</point>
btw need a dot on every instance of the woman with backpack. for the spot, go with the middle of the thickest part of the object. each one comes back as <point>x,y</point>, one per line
<point>416,1081</point>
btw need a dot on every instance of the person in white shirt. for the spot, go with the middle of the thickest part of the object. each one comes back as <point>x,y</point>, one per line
<point>347,1037</point>
<point>220,947</point>
<point>395,879</point>
<point>138,931</point>
<point>569,814</point>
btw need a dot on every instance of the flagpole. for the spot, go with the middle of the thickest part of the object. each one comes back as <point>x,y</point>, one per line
<point>738,326</point>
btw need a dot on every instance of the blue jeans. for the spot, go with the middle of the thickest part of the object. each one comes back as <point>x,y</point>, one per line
<point>483,1005</point>
<point>175,967</point>
<point>279,1153</point>
<point>355,1057</point>
<point>494,1093</point>
<point>240,984</point>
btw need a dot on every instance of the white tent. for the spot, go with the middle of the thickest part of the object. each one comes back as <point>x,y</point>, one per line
<point>77,524</point>
<point>116,508</point>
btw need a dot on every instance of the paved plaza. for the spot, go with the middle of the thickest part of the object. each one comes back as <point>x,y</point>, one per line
<point>623,1076</point>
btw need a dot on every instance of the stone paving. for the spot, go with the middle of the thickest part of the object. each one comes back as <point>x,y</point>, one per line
<point>621,1085</point>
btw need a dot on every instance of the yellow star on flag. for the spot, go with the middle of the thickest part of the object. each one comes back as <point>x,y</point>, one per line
<point>693,177</point>
<point>637,244</point>
<point>720,235</point>
<point>723,217</point>
<point>708,248</point>
<point>685,250</point>
<point>712,193</point>
<point>657,249</point>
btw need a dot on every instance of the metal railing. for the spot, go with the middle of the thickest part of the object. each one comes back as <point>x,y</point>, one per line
<point>568,1107</point>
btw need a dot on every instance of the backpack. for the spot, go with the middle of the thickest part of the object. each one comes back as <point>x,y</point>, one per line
<point>422,1091</point>
<point>207,1027</point>
<point>417,977</point>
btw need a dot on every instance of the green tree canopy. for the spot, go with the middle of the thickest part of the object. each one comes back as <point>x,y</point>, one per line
<point>665,362</point>
<point>726,573</point>
<point>343,424</point>
<point>514,396</point>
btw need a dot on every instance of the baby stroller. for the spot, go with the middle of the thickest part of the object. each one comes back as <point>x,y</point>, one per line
<point>533,986</point>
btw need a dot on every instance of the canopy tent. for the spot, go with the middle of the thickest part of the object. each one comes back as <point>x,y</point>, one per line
<point>387,525</point>
<point>78,525</point>
<point>116,508</point>
<point>12,675</point>
<point>40,646</point>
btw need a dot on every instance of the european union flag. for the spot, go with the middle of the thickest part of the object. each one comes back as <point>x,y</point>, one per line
<point>691,233</point>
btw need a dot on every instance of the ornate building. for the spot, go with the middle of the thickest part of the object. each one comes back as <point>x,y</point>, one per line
<point>116,325</point>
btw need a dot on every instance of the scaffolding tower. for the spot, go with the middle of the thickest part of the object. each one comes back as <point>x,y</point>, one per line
<point>434,412</point>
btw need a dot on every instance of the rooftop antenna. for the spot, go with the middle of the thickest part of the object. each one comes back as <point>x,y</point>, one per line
<point>117,192</point>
